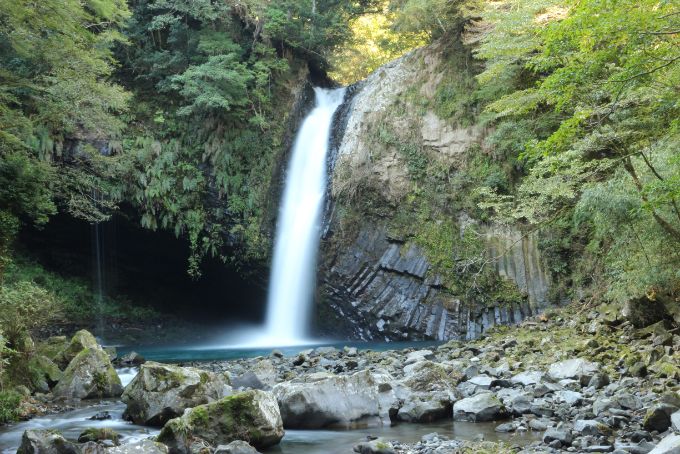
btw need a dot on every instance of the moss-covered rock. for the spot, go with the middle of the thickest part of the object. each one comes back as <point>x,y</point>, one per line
<point>52,347</point>
<point>45,442</point>
<point>80,341</point>
<point>99,434</point>
<point>161,392</point>
<point>252,416</point>
<point>89,375</point>
<point>44,373</point>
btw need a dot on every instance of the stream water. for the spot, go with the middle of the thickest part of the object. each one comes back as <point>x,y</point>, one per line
<point>72,423</point>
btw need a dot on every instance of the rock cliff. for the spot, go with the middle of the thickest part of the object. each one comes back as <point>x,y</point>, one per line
<point>378,277</point>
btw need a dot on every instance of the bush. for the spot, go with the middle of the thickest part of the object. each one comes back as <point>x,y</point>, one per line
<point>23,307</point>
<point>9,406</point>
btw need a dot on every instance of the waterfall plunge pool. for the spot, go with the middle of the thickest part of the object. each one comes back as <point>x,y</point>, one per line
<point>183,354</point>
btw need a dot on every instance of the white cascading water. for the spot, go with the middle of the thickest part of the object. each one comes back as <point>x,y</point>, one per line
<point>293,273</point>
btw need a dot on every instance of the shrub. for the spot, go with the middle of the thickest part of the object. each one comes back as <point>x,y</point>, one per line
<point>9,406</point>
<point>23,307</point>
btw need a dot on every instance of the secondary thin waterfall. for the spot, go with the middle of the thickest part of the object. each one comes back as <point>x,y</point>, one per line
<point>296,245</point>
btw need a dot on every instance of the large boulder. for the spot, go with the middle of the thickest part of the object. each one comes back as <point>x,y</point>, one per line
<point>160,392</point>
<point>426,407</point>
<point>576,368</point>
<point>323,400</point>
<point>252,416</point>
<point>89,375</point>
<point>80,341</point>
<point>478,408</point>
<point>45,442</point>
<point>430,376</point>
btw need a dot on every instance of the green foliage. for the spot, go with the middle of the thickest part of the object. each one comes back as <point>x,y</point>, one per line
<point>373,42</point>
<point>433,17</point>
<point>72,299</point>
<point>9,406</point>
<point>584,94</point>
<point>25,188</point>
<point>212,91</point>
<point>23,307</point>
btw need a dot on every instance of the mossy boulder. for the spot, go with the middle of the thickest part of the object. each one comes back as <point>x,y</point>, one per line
<point>161,392</point>
<point>252,416</point>
<point>642,312</point>
<point>45,442</point>
<point>45,374</point>
<point>53,347</point>
<point>80,341</point>
<point>99,434</point>
<point>89,375</point>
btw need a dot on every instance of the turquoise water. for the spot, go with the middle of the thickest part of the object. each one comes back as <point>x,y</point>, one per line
<point>177,354</point>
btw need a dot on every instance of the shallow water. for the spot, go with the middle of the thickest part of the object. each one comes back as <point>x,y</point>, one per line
<point>342,442</point>
<point>72,423</point>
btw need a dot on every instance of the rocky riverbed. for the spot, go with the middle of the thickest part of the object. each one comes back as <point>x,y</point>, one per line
<point>576,380</point>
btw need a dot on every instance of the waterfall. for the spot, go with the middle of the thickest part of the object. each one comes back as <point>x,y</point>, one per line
<point>293,273</point>
<point>98,269</point>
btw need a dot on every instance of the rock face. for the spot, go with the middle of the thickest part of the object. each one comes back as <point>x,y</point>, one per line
<point>323,400</point>
<point>161,392</point>
<point>382,285</point>
<point>385,289</point>
<point>45,442</point>
<point>252,416</point>
<point>89,375</point>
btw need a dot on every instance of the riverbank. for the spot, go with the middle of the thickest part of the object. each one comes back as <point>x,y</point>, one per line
<point>570,380</point>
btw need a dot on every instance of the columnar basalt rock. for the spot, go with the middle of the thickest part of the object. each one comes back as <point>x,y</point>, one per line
<point>376,285</point>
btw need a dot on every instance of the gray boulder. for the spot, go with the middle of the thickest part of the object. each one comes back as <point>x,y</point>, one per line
<point>478,408</point>
<point>528,378</point>
<point>675,421</point>
<point>576,369</point>
<point>419,355</point>
<point>161,392</point>
<point>89,375</point>
<point>425,407</point>
<point>669,445</point>
<point>45,442</point>
<point>321,400</point>
<point>251,416</point>
<point>591,427</point>
<point>236,447</point>
<point>558,434</point>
